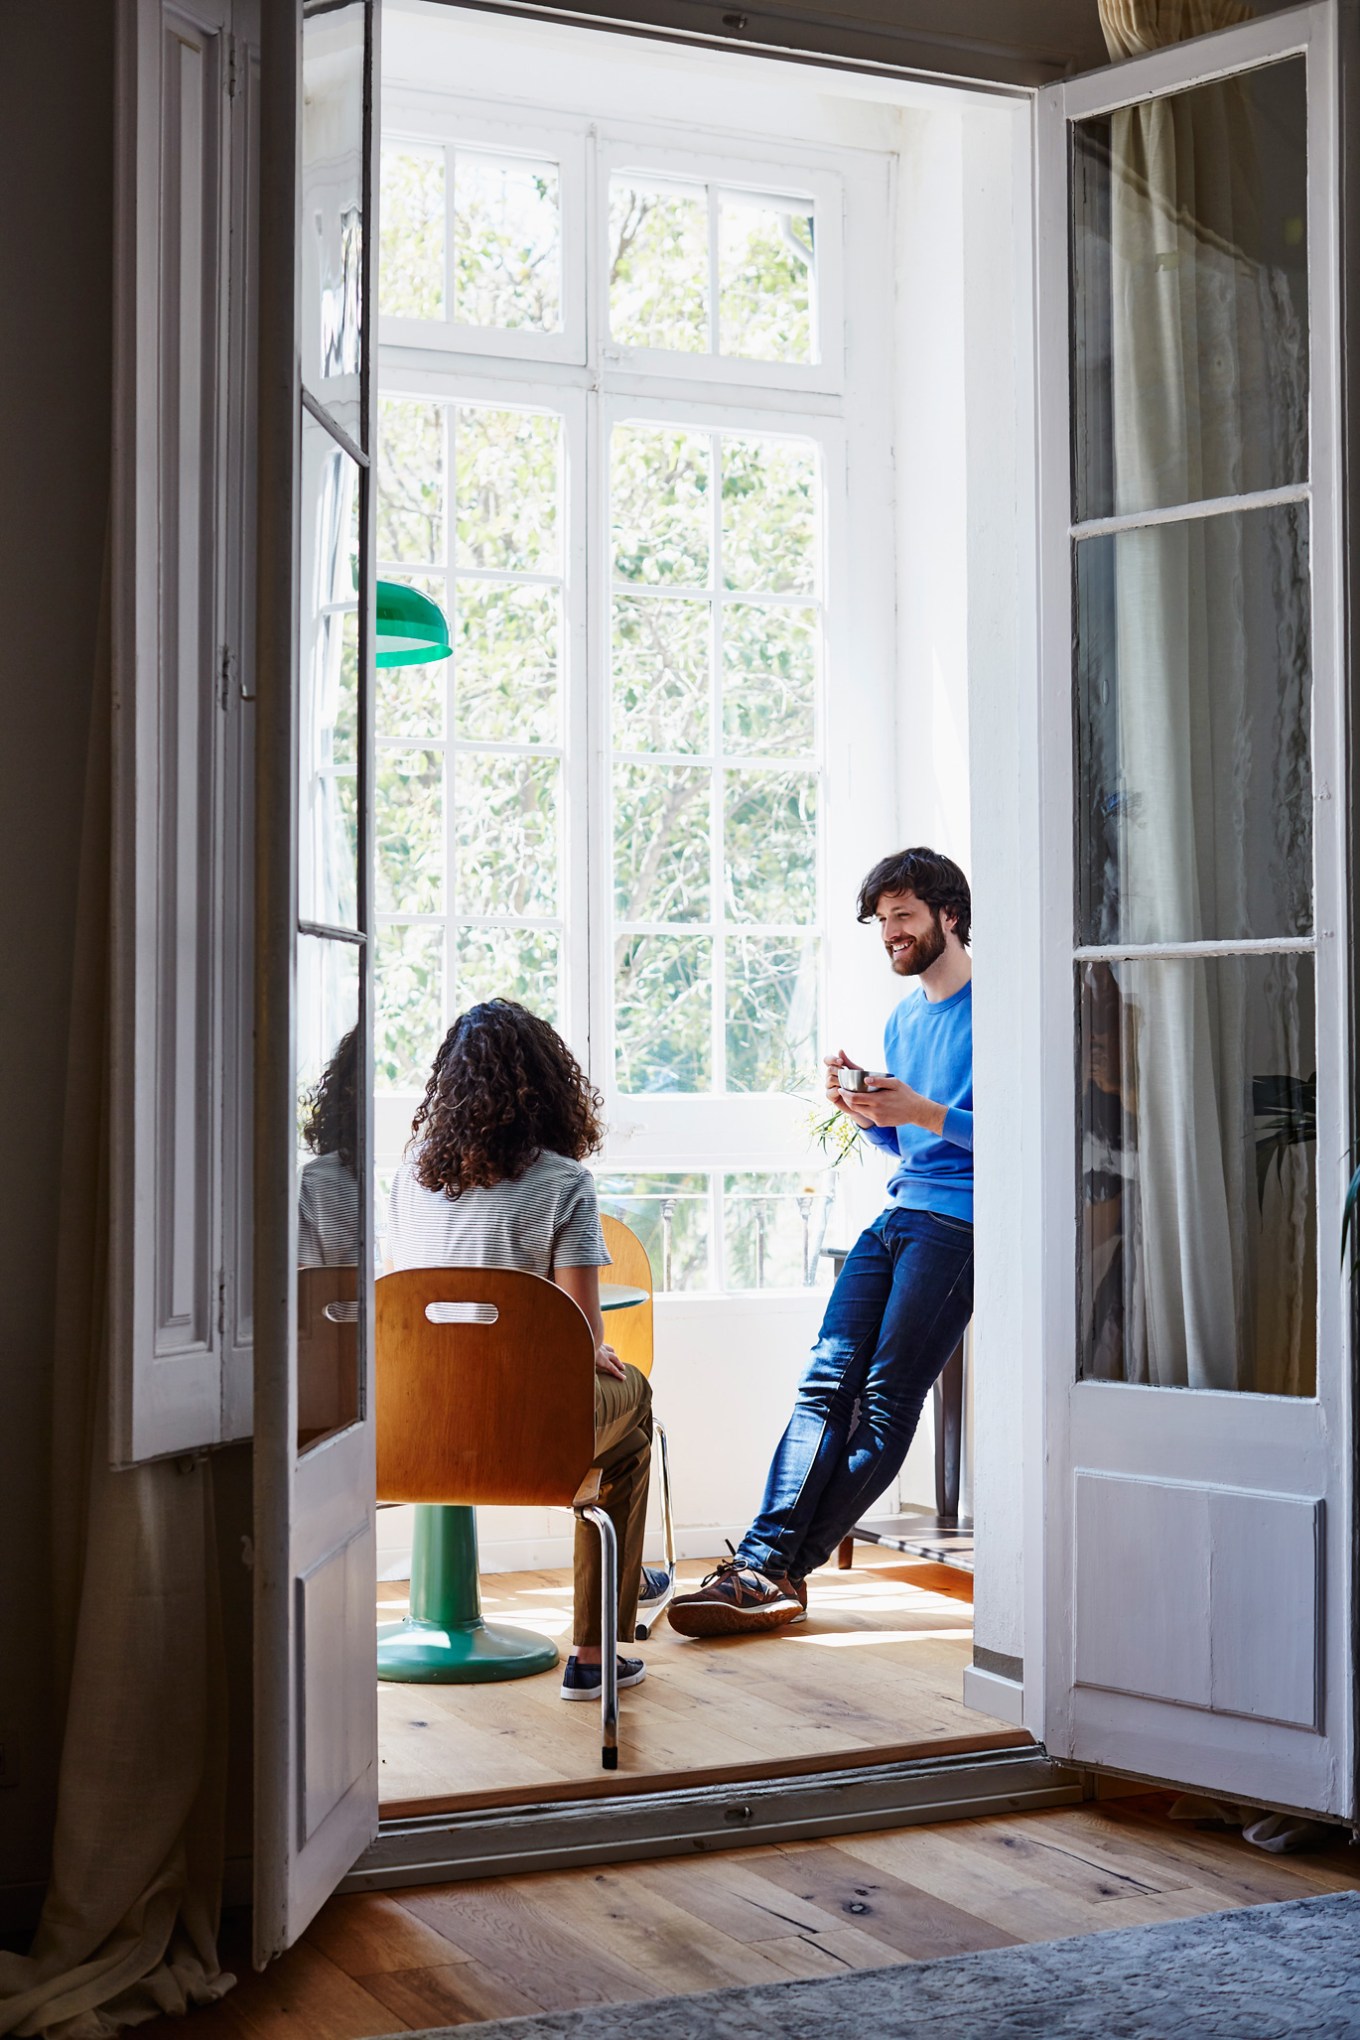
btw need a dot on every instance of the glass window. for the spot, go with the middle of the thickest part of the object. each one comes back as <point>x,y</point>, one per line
<point>331,207</point>
<point>701,670</point>
<point>469,822</point>
<point>492,258</point>
<point>1198,1196</point>
<point>1190,295</point>
<point>1194,704</point>
<point>696,269</point>
<point>329,1075</point>
<point>328,714</point>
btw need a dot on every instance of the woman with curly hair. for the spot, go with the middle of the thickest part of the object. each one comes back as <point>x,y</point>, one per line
<point>328,1185</point>
<point>495,1177</point>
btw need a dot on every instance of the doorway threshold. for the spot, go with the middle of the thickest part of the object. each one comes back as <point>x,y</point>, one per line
<point>723,1814</point>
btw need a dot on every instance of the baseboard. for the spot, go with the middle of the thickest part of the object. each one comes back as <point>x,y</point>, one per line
<point>990,1694</point>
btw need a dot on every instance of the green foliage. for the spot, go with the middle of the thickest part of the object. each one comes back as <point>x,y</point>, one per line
<point>411,248</point>
<point>507,257</point>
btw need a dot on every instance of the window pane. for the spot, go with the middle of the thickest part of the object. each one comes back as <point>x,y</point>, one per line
<point>765,265</point>
<point>663,1013</point>
<point>510,963</point>
<point>331,209</point>
<point>660,672</point>
<point>773,1228</point>
<point>410,1004</point>
<point>329,1073</point>
<point>769,678</point>
<point>1190,294</point>
<point>770,840</point>
<point>670,1215</point>
<point>772,1021</point>
<point>409,832</point>
<point>411,280</point>
<point>658,276</point>
<point>507,825</point>
<point>1193,708</point>
<point>659,486</point>
<point>328,706</point>
<point>506,243</point>
<point>769,514</point>
<point>410,699</point>
<point>662,828</point>
<point>509,480</point>
<point>506,687</point>
<point>1198,1160</point>
<point>411,484</point>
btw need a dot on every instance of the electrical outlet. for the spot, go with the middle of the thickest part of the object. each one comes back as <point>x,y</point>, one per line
<point>9,1764</point>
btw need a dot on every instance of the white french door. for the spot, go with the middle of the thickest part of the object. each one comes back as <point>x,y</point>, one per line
<point>1195,792</point>
<point>316,1794</point>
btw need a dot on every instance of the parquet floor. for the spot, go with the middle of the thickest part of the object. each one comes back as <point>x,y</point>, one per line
<point>877,1668</point>
<point>455,1953</point>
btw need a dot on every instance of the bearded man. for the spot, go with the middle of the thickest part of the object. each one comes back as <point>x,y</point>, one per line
<point>905,1294</point>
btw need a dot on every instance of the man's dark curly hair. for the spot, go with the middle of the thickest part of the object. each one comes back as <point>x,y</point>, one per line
<point>332,1123</point>
<point>936,881</point>
<point>504,1089</point>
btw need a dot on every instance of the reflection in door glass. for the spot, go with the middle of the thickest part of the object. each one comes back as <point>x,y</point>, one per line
<point>1198,1117</point>
<point>330,1072</point>
<point>1194,699</point>
<point>331,207</point>
<point>328,712</point>
<point>1190,295</point>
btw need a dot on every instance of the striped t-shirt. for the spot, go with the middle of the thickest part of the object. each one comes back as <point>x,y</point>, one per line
<point>328,1214</point>
<point>547,1218</point>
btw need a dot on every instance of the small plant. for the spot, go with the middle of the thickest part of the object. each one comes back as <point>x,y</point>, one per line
<point>1286,1116</point>
<point>835,1133</point>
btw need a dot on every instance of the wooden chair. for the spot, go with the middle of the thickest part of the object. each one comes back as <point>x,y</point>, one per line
<point>485,1393</point>
<point>630,1333</point>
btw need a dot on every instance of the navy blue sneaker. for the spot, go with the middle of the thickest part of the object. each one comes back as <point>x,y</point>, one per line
<point>583,1682</point>
<point>656,1584</point>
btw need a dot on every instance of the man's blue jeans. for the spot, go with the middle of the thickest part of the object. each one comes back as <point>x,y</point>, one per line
<point>898,1311</point>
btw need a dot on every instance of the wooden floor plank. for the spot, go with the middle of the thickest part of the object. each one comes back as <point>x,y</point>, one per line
<point>456,1953</point>
<point>877,1668</point>
<point>910,1921</point>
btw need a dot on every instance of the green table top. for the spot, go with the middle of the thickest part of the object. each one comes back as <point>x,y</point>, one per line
<point>620,1296</point>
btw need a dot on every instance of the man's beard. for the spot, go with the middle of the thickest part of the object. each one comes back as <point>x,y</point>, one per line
<point>924,951</point>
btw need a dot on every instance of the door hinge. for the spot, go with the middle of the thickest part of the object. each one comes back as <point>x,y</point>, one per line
<point>231,67</point>
<point>226,663</point>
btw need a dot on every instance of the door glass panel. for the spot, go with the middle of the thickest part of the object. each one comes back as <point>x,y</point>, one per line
<point>328,714</point>
<point>331,223</point>
<point>1190,305</point>
<point>1198,1117</point>
<point>1193,684</point>
<point>329,1075</point>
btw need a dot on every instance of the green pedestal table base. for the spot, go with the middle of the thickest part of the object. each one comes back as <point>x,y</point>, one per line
<point>444,1641</point>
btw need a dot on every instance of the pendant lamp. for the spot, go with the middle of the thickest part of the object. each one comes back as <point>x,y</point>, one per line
<point>412,630</point>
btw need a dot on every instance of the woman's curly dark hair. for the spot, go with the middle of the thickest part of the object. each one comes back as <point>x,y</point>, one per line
<point>332,1123</point>
<point>504,1089</point>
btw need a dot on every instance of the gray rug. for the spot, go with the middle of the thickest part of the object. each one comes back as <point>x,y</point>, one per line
<point>1267,1972</point>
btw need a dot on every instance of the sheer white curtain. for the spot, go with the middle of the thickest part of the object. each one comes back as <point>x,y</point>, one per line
<point>1207,369</point>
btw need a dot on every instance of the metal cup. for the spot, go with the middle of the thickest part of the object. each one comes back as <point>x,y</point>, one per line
<point>852,1079</point>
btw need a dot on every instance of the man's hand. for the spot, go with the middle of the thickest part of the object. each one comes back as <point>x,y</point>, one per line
<point>835,1096</point>
<point>608,1362</point>
<point>889,1102</point>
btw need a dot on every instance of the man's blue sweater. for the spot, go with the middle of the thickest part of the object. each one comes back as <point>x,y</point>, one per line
<point>928,1043</point>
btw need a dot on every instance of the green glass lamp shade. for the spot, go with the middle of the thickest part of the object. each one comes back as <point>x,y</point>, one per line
<point>412,630</point>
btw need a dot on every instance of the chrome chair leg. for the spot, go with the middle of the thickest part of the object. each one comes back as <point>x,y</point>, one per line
<point>609,1638</point>
<point>654,1614</point>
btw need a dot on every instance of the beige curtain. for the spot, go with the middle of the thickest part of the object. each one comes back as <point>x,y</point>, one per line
<point>1208,386</point>
<point>130,1921</point>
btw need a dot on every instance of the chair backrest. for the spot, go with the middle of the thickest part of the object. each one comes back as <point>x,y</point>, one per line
<point>477,1410</point>
<point>328,1350</point>
<point>629,1332</point>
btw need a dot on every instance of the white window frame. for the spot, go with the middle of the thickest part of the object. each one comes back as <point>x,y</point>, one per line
<point>734,1132</point>
<point>425,119</point>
